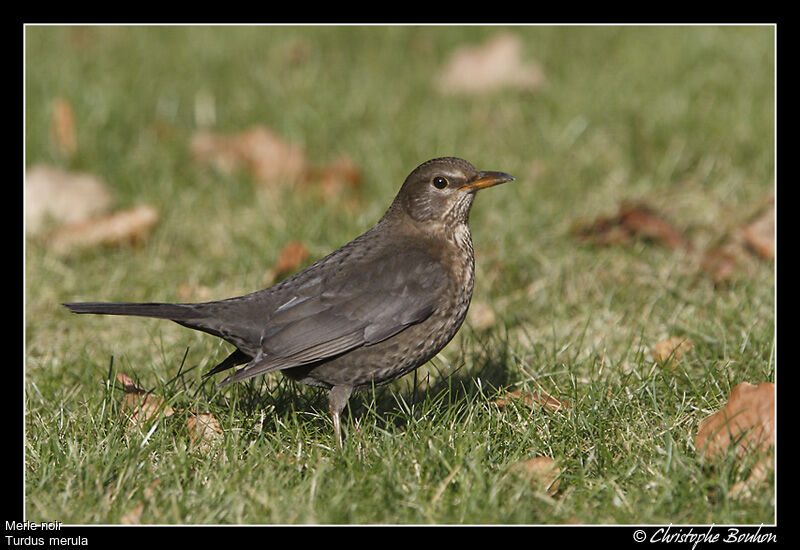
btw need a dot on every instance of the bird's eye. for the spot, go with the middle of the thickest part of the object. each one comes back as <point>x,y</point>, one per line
<point>439,182</point>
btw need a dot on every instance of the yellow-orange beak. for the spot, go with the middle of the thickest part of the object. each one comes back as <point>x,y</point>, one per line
<point>487,179</point>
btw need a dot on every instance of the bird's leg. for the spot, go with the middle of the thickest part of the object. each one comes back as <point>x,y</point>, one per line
<point>337,400</point>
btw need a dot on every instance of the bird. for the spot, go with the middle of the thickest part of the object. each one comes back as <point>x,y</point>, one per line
<point>366,314</point>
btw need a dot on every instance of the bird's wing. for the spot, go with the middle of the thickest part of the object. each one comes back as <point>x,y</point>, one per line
<point>342,311</point>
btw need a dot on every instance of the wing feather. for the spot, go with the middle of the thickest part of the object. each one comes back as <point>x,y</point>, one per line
<point>347,310</point>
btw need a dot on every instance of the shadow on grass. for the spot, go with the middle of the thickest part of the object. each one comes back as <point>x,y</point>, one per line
<point>480,368</point>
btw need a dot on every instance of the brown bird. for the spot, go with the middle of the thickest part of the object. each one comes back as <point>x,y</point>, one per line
<point>368,313</point>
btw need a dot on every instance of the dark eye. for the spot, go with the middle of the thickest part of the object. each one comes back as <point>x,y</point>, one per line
<point>439,182</point>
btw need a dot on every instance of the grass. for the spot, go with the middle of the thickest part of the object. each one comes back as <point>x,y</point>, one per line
<point>682,117</point>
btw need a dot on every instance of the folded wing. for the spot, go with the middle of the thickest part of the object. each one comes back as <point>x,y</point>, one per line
<point>341,312</point>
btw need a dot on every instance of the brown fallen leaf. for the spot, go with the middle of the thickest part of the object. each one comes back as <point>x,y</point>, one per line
<point>125,227</point>
<point>643,221</point>
<point>731,256</point>
<point>335,177</point>
<point>138,406</point>
<point>671,350</point>
<point>61,196</point>
<point>204,430</point>
<point>542,471</point>
<point>747,420</point>
<point>268,157</point>
<point>531,398</point>
<point>62,127</point>
<point>290,258</point>
<point>139,409</point>
<point>490,66</point>
<point>721,263</point>
<point>758,475</point>
<point>633,220</point>
<point>128,385</point>
<point>759,234</point>
<point>216,150</point>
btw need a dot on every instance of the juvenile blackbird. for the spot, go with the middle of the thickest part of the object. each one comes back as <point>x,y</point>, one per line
<point>366,314</point>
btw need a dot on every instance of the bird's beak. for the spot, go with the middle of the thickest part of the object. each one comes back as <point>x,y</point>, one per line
<point>487,179</point>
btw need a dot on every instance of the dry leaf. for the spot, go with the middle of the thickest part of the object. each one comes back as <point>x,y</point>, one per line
<point>671,350</point>
<point>335,177</point>
<point>490,66</point>
<point>759,234</point>
<point>758,475</point>
<point>721,263</point>
<point>120,228</point>
<point>542,471</point>
<point>290,258</point>
<point>270,159</point>
<point>218,151</point>
<point>724,261</point>
<point>642,221</point>
<point>531,398</point>
<point>64,197</point>
<point>133,516</point>
<point>62,127</point>
<point>204,430</point>
<point>140,408</point>
<point>634,220</point>
<point>747,420</point>
<point>265,155</point>
<point>128,385</point>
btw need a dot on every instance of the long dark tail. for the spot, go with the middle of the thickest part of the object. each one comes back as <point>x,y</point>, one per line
<point>175,312</point>
<point>195,316</point>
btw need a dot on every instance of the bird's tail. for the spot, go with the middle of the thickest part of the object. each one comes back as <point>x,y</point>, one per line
<point>175,312</point>
<point>200,316</point>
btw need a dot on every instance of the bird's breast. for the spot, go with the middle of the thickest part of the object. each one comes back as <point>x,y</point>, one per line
<point>463,257</point>
<point>460,262</point>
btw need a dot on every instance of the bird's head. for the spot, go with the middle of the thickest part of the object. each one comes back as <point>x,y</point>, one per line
<point>442,190</point>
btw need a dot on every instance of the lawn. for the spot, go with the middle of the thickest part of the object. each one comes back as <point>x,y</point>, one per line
<point>681,118</point>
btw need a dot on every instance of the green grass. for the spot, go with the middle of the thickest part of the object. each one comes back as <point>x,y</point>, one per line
<point>680,117</point>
